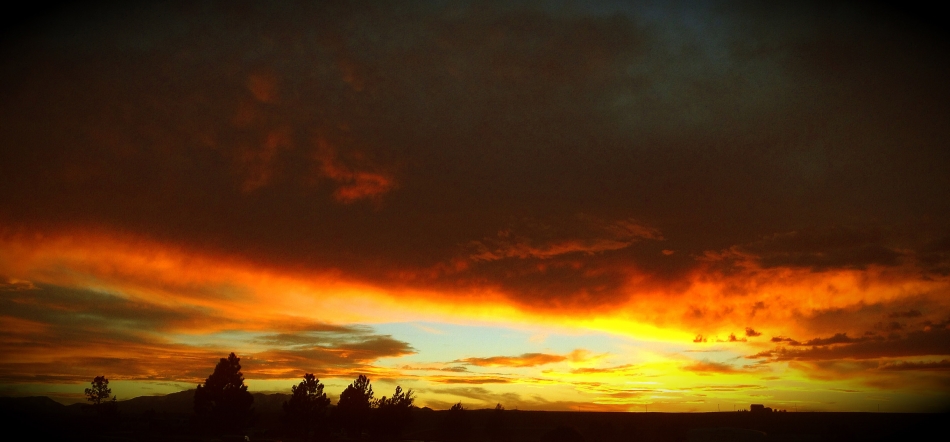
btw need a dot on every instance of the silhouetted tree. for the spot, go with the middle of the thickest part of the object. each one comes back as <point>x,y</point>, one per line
<point>455,426</point>
<point>392,414</point>
<point>353,408</point>
<point>100,390</point>
<point>99,396</point>
<point>307,406</point>
<point>223,403</point>
<point>497,427</point>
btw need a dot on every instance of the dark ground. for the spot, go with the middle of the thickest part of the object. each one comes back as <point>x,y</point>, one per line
<point>40,418</point>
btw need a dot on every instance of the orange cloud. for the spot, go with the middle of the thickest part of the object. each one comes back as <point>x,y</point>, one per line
<point>222,290</point>
<point>12,284</point>
<point>353,184</point>
<point>525,360</point>
<point>543,241</point>
<point>145,290</point>
<point>707,367</point>
<point>471,380</point>
<point>783,301</point>
<point>604,370</point>
<point>775,301</point>
<point>779,302</point>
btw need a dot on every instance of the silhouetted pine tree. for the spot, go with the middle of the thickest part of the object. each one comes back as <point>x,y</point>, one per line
<point>497,425</point>
<point>353,408</point>
<point>392,414</point>
<point>223,403</point>
<point>307,407</point>
<point>456,425</point>
<point>99,396</point>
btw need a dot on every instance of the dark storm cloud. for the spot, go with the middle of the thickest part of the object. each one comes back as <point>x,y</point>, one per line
<point>918,375</point>
<point>551,263</point>
<point>578,283</point>
<point>933,342</point>
<point>785,339</point>
<point>824,249</point>
<point>325,358</point>
<point>905,313</point>
<point>892,326</point>
<point>911,365</point>
<point>936,256</point>
<point>838,338</point>
<point>85,310</point>
<point>396,139</point>
<point>586,236</point>
<point>314,337</point>
<point>68,335</point>
<point>328,351</point>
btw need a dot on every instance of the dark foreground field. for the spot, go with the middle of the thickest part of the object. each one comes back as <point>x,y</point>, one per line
<point>40,418</point>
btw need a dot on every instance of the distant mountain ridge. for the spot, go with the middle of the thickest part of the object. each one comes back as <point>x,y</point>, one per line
<point>32,404</point>
<point>181,402</point>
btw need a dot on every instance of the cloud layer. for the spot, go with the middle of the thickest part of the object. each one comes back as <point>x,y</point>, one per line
<point>764,182</point>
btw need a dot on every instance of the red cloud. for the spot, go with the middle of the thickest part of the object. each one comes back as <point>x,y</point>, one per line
<point>353,184</point>
<point>588,235</point>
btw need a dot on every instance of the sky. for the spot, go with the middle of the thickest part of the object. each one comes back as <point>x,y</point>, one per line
<point>603,206</point>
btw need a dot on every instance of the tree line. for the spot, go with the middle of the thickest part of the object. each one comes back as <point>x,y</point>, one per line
<point>223,404</point>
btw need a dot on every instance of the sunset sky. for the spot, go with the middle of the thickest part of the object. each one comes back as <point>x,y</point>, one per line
<point>663,206</point>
